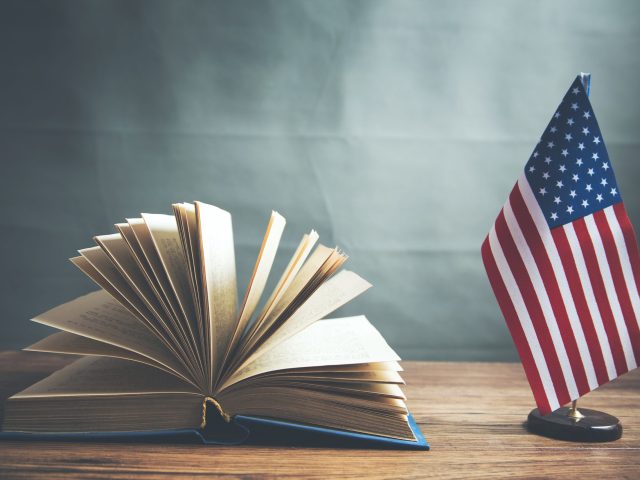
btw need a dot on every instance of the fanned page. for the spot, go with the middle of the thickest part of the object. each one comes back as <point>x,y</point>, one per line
<point>163,230</point>
<point>259,278</point>
<point>99,317</point>
<point>344,341</point>
<point>218,281</point>
<point>166,331</point>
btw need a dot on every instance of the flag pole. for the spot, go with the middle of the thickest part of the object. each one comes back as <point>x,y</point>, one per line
<point>574,413</point>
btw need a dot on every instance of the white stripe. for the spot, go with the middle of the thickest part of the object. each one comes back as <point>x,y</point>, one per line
<point>561,277</point>
<point>589,296</point>
<point>525,320</point>
<point>625,262</point>
<point>612,296</point>
<point>543,299</point>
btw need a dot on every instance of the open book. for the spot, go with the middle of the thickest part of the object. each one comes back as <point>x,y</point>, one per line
<point>165,346</point>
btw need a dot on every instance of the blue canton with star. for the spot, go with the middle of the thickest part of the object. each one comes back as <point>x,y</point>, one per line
<point>569,171</point>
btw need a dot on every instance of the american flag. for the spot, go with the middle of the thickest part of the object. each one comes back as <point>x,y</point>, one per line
<point>562,258</point>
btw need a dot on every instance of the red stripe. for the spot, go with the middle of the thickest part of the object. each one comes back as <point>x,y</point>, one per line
<point>515,328</point>
<point>615,266</point>
<point>630,241</point>
<point>590,259</point>
<point>541,257</point>
<point>533,307</point>
<point>580,301</point>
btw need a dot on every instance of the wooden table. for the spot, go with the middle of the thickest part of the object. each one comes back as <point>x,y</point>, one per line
<point>471,413</point>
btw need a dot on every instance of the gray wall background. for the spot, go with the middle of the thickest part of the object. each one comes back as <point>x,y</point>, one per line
<point>396,129</point>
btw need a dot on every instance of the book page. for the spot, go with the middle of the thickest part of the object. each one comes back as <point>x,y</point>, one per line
<point>345,387</point>
<point>295,264</point>
<point>128,234</point>
<point>340,341</point>
<point>310,268</point>
<point>105,274</point>
<point>117,249</point>
<point>106,376</point>
<point>100,317</point>
<point>90,271</point>
<point>305,283</point>
<point>166,239</point>
<point>358,367</point>
<point>218,279</point>
<point>331,295</point>
<point>165,314</point>
<point>304,278</point>
<point>72,344</point>
<point>260,275</point>
<point>159,277</point>
<point>150,261</point>
<point>96,265</point>
<point>185,214</point>
<point>377,376</point>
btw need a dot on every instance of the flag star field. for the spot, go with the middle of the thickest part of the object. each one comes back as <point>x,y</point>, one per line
<point>569,171</point>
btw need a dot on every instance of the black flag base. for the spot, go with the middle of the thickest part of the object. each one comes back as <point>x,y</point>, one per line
<point>569,423</point>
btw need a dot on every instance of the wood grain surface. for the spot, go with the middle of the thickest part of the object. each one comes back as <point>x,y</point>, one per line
<point>471,413</point>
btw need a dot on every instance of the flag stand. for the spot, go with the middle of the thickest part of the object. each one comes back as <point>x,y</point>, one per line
<point>569,423</point>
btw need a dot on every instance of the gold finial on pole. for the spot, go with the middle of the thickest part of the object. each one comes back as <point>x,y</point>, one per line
<point>574,413</point>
